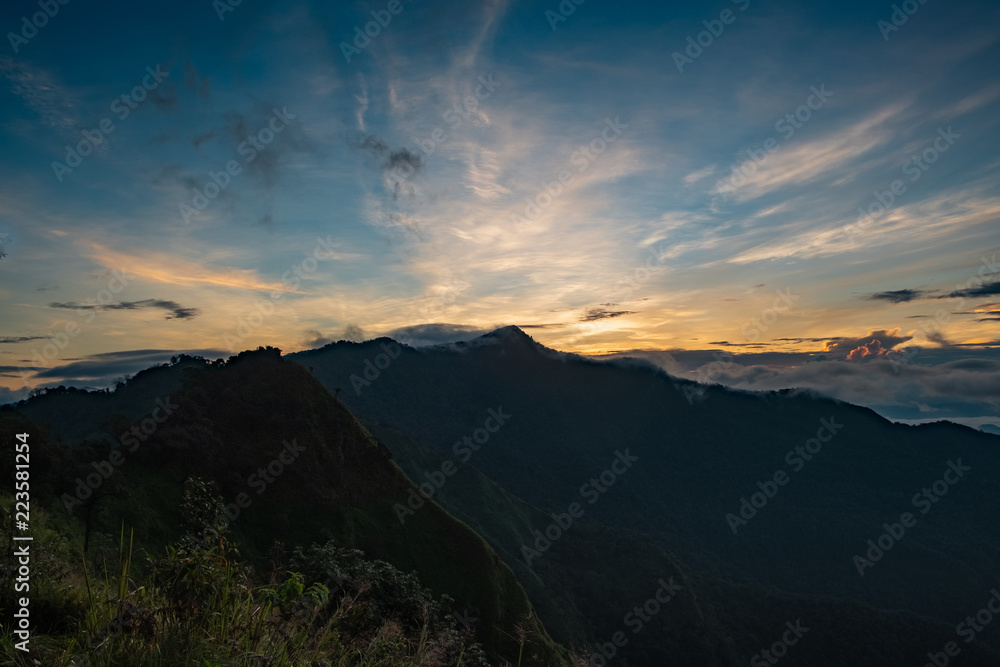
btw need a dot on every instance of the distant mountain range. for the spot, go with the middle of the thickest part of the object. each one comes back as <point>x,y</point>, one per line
<point>593,506</point>
<point>708,461</point>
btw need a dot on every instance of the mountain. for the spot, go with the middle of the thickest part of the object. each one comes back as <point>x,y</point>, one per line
<point>293,465</point>
<point>567,496</point>
<point>705,456</point>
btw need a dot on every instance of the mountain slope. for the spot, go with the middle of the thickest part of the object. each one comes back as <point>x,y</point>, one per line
<point>698,459</point>
<point>261,427</point>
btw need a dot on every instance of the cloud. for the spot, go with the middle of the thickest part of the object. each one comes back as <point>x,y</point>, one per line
<point>984,309</point>
<point>934,383</point>
<point>7,340</point>
<point>264,166</point>
<point>43,94</point>
<point>897,296</point>
<point>108,365</point>
<point>423,335</point>
<point>175,310</point>
<point>353,333</point>
<point>601,313</point>
<point>696,176</point>
<point>234,130</point>
<point>315,338</point>
<point>18,371</point>
<point>403,159</point>
<point>937,337</point>
<point>12,395</point>
<point>164,96</point>
<point>822,158</point>
<point>876,343</point>
<point>989,289</point>
<point>201,86</point>
<point>171,269</point>
<point>834,339</point>
<point>401,162</point>
<point>872,350</point>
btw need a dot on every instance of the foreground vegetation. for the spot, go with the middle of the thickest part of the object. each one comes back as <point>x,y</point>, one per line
<point>199,604</point>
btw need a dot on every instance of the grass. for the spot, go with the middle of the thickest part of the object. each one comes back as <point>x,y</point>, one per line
<point>200,605</point>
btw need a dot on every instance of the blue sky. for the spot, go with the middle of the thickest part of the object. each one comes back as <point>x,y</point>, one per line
<point>393,197</point>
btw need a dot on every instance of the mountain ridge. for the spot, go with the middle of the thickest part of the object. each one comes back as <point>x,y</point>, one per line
<point>235,424</point>
<point>699,458</point>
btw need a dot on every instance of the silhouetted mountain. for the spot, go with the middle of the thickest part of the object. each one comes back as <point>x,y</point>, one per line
<point>701,451</point>
<point>506,435</point>
<point>293,464</point>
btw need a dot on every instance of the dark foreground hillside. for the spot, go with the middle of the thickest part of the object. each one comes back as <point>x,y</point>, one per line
<point>292,465</point>
<point>262,439</point>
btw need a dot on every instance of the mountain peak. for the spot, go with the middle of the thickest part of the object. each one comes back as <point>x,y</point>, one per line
<point>510,337</point>
<point>510,333</point>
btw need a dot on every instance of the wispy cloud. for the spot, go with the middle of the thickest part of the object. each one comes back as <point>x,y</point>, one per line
<point>9,340</point>
<point>167,268</point>
<point>603,312</point>
<point>174,310</point>
<point>827,158</point>
<point>41,92</point>
<point>897,296</point>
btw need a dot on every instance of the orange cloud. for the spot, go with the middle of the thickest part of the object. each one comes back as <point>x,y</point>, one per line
<point>169,269</point>
<point>871,350</point>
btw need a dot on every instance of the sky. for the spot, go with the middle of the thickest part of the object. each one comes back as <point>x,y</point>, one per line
<point>762,194</point>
